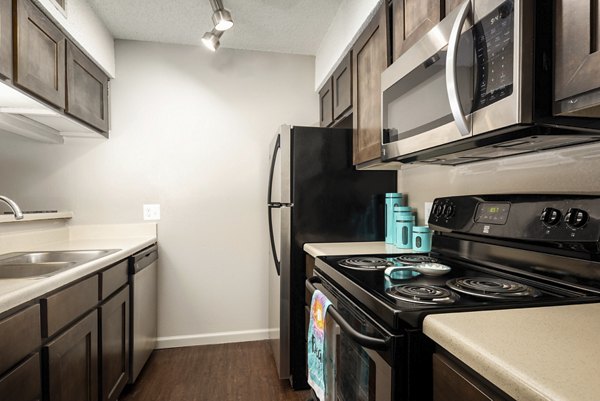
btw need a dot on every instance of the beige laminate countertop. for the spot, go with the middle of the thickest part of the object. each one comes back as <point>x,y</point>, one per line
<point>128,240</point>
<point>352,248</point>
<point>532,354</point>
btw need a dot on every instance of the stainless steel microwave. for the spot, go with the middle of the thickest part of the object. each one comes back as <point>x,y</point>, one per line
<point>465,91</point>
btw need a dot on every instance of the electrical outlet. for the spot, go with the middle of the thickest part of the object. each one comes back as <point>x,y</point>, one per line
<point>427,208</point>
<point>151,212</point>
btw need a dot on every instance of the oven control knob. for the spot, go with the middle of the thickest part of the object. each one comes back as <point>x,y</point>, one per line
<point>449,211</point>
<point>437,210</point>
<point>550,216</point>
<point>576,218</point>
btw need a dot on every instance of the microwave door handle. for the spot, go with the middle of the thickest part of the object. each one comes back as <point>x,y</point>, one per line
<point>361,339</point>
<point>451,70</point>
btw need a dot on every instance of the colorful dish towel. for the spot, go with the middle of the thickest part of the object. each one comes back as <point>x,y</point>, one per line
<point>316,344</point>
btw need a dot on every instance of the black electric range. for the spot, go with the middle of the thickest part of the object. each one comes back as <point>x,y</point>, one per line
<point>503,251</point>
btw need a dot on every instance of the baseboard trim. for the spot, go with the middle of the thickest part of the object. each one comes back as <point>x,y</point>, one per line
<point>213,338</point>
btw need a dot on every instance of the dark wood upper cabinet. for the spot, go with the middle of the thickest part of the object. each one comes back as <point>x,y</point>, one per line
<point>114,345</point>
<point>40,54</point>
<point>6,39</point>
<point>577,51</point>
<point>72,363</point>
<point>451,5</point>
<point>452,382</point>
<point>326,104</point>
<point>342,87</point>
<point>87,89</point>
<point>411,20</point>
<point>369,60</point>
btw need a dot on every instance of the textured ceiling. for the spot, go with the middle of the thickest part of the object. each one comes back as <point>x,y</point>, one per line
<point>286,26</point>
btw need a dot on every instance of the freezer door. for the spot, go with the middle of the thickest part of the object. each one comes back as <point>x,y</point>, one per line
<point>279,186</point>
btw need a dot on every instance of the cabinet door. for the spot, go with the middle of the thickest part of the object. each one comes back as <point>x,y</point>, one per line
<point>6,53</point>
<point>72,363</point>
<point>40,59</point>
<point>369,59</point>
<point>87,89</point>
<point>577,45</point>
<point>342,87</point>
<point>412,19</point>
<point>326,104</point>
<point>452,383</point>
<point>23,383</point>
<point>114,345</point>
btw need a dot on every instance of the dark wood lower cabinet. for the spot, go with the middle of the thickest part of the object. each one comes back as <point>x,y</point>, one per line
<point>23,383</point>
<point>452,382</point>
<point>72,363</point>
<point>114,345</point>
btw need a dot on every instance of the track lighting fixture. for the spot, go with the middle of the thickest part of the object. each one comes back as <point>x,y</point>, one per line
<point>211,39</point>
<point>222,20</point>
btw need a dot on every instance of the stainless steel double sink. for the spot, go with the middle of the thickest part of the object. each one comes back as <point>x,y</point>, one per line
<point>46,263</point>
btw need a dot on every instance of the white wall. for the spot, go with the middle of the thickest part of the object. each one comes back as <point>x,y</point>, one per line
<point>191,131</point>
<point>349,21</point>
<point>571,170</point>
<point>86,29</point>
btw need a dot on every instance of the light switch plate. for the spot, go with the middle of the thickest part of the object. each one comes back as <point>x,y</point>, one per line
<point>427,208</point>
<point>151,211</point>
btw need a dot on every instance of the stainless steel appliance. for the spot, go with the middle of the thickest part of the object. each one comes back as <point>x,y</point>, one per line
<point>143,270</point>
<point>314,195</point>
<point>476,88</point>
<point>504,251</point>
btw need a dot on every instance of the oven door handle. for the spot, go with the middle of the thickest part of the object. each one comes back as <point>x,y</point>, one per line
<point>361,339</point>
<point>451,67</point>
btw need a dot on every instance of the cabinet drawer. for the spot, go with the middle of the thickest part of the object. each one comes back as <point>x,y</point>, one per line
<point>63,307</point>
<point>20,334</point>
<point>113,278</point>
<point>23,383</point>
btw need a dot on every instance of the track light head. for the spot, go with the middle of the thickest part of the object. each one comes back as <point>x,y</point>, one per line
<point>222,19</point>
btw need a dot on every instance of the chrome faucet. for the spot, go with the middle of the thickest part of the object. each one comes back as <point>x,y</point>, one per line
<point>15,208</point>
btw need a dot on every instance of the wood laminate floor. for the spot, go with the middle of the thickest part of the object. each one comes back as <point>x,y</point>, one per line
<point>225,372</point>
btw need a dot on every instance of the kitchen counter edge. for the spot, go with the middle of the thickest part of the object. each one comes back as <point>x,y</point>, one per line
<point>15,292</point>
<point>535,354</point>
<point>352,248</point>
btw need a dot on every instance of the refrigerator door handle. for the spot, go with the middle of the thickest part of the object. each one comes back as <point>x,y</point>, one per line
<point>272,170</point>
<point>273,249</point>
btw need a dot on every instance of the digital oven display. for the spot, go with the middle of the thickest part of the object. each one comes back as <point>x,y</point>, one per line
<point>492,213</point>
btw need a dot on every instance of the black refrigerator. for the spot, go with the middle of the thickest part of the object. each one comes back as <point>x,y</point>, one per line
<point>314,195</point>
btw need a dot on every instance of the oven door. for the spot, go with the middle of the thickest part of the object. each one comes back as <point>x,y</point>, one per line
<point>361,350</point>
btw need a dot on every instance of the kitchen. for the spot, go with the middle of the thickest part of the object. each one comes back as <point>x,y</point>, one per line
<point>176,110</point>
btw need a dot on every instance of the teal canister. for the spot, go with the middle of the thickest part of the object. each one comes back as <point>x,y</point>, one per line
<point>404,228</point>
<point>421,239</point>
<point>399,210</point>
<point>392,199</point>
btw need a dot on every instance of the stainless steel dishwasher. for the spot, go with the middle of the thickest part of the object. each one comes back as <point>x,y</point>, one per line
<point>143,284</point>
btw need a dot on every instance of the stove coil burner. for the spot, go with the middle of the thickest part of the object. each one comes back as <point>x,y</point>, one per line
<point>422,294</point>
<point>494,288</point>
<point>365,263</point>
<point>414,259</point>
